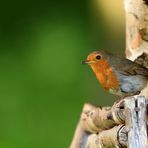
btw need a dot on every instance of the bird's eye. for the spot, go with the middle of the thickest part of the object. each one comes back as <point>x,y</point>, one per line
<point>98,57</point>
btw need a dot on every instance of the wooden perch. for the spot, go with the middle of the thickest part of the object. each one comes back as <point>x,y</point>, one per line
<point>135,122</point>
<point>96,119</point>
<point>113,137</point>
<point>98,129</point>
<point>108,138</point>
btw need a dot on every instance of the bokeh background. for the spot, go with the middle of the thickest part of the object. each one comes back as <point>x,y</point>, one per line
<point>43,85</point>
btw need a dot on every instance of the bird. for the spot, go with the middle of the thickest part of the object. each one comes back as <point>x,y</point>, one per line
<point>118,75</point>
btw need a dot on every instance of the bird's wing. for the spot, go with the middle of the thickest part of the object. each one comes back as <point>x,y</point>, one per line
<point>132,68</point>
<point>128,67</point>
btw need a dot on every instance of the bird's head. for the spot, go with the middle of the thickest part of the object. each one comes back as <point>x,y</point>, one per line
<point>97,60</point>
<point>96,57</point>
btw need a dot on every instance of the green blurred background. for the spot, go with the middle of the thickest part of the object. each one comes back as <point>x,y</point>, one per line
<point>43,85</point>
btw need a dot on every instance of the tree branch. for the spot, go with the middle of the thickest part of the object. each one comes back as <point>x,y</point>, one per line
<point>96,119</point>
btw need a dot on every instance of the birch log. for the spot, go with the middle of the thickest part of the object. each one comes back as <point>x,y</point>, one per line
<point>137,50</point>
<point>135,122</point>
<point>108,138</point>
<point>137,32</point>
<point>99,121</point>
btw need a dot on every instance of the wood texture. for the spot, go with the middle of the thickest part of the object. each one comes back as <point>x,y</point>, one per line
<point>135,122</point>
<point>137,32</point>
<point>101,123</point>
<point>106,139</point>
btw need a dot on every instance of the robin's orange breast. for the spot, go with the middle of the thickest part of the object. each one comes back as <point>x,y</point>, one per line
<point>105,75</point>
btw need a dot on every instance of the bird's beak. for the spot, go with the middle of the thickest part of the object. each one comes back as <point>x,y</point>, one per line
<point>87,62</point>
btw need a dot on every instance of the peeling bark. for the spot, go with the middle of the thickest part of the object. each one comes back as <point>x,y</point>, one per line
<point>137,32</point>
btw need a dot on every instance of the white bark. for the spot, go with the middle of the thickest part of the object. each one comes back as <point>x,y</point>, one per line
<point>135,122</point>
<point>137,31</point>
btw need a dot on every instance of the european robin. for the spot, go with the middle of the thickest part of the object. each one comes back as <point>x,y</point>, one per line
<point>117,75</point>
